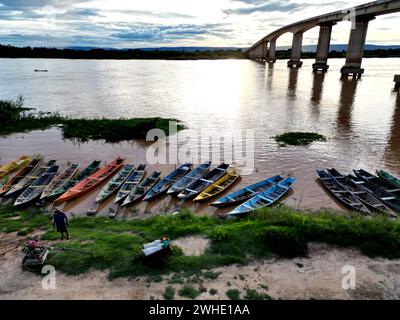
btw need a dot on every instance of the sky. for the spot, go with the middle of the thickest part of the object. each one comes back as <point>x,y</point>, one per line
<point>169,23</point>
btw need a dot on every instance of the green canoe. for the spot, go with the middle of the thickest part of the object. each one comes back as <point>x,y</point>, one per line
<point>389,178</point>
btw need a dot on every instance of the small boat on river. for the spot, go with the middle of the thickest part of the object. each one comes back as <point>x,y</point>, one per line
<point>246,193</point>
<point>219,186</point>
<point>168,181</point>
<point>142,188</point>
<point>196,187</point>
<point>263,199</point>
<point>36,188</point>
<point>92,181</point>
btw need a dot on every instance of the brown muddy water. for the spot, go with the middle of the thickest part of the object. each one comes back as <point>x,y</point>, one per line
<point>361,119</point>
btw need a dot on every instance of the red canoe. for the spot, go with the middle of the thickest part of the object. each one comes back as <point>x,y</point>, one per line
<point>91,182</point>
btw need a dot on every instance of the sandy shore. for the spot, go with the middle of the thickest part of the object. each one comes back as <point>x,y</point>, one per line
<point>317,276</point>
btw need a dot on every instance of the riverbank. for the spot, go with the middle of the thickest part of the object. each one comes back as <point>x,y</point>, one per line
<point>17,118</point>
<point>250,256</point>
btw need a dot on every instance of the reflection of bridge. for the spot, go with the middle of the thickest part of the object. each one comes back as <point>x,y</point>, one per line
<point>360,17</point>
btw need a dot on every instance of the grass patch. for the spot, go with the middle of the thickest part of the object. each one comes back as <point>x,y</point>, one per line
<point>211,275</point>
<point>299,138</point>
<point>117,243</point>
<point>188,291</point>
<point>233,294</point>
<point>23,222</point>
<point>252,294</point>
<point>176,278</point>
<point>17,118</point>
<point>169,293</point>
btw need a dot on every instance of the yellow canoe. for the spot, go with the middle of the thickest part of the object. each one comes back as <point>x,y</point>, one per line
<point>8,168</point>
<point>218,186</point>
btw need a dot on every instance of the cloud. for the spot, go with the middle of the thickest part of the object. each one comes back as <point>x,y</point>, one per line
<point>286,6</point>
<point>163,33</point>
<point>262,6</point>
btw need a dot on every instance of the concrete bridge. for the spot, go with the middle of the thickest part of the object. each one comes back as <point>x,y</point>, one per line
<point>360,16</point>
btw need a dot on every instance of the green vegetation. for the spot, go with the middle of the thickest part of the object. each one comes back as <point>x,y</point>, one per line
<point>286,241</point>
<point>254,295</point>
<point>211,275</point>
<point>117,243</point>
<point>169,293</point>
<point>233,294</point>
<point>17,118</point>
<point>188,291</point>
<point>299,138</point>
<point>28,52</point>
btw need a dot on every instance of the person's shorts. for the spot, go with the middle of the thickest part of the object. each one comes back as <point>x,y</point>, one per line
<point>62,228</point>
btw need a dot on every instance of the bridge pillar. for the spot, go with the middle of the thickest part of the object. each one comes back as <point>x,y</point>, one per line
<point>355,48</point>
<point>396,81</point>
<point>271,51</point>
<point>294,61</point>
<point>258,52</point>
<point>265,51</point>
<point>324,40</point>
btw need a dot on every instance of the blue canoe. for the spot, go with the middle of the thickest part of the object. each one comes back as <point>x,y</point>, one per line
<point>263,199</point>
<point>169,180</point>
<point>246,193</point>
<point>192,176</point>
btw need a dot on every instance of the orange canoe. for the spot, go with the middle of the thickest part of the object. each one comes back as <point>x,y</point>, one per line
<point>91,182</point>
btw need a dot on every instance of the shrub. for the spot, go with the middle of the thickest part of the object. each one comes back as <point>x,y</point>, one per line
<point>254,295</point>
<point>299,138</point>
<point>211,275</point>
<point>233,294</point>
<point>188,291</point>
<point>169,293</point>
<point>285,241</point>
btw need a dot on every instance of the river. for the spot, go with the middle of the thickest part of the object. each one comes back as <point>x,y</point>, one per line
<point>361,119</point>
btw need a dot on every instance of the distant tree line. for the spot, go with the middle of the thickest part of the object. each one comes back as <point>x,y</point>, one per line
<point>7,51</point>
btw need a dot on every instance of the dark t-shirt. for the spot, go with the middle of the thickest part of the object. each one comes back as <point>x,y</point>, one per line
<point>60,219</point>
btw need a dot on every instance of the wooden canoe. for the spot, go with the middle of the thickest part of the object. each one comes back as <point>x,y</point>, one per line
<point>87,172</point>
<point>142,188</point>
<point>164,184</point>
<point>60,180</point>
<point>219,186</point>
<point>36,188</point>
<point>192,176</point>
<point>377,182</point>
<point>21,174</point>
<point>92,181</point>
<point>29,179</point>
<point>246,193</point>
<point>263,199</point>
<point>343,195</point>
<point>133,180</point>
<point>12,166</point>
<point>194,189</point>
<point>367,198</point>
<point>392,180</point>
<point>116,182</point>
<point>387,198</point>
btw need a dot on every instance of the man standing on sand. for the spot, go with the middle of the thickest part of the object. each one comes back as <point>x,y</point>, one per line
<point>60,221</point>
